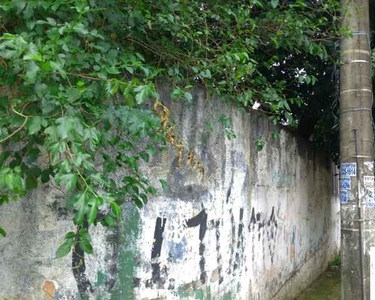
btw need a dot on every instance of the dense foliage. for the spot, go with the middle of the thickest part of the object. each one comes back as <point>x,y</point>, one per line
<point>78,84</point>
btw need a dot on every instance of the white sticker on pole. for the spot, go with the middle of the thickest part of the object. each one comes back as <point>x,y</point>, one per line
<point>368,182</point>
<point>369,165</point>
<point>372,273</point>
<point>348,169</point>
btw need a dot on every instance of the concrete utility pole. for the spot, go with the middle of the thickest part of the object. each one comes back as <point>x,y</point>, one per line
<point>357,156</point>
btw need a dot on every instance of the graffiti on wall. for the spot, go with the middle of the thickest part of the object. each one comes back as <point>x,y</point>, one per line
<point>263,227</point>
<point>258,225</point>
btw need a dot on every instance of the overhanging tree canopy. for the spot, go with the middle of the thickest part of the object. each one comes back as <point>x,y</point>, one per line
<point>78,80</point>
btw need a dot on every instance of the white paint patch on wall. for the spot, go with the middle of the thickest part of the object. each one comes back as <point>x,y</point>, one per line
<point>200,242</point>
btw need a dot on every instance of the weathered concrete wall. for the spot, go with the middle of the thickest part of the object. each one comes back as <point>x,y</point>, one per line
<point>260,225</point>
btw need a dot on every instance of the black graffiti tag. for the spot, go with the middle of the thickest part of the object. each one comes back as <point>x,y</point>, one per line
<point>200,220</point>
<point>270,227</point>
<point>156,250</point>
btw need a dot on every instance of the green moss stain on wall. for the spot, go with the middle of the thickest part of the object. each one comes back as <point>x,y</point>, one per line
<point>100,279</point>
<point>129,234</point>
<point>228,296</point>
<point>199,294</point>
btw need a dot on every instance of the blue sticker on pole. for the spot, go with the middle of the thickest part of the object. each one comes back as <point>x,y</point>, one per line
<point>348,169</point>
<point>344,196</point>
<point>345,183</point>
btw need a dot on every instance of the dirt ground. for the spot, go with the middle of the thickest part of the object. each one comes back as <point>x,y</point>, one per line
<point>326,287</point>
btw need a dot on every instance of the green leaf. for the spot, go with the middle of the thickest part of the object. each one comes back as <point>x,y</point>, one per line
<point>80,204</point>
<point>73,94</point>
<point>129,179</point>
<point>65,166</point>
<point>153,191</point>
<point>138,202</point>
<point>35,171</point>
<point>80,83</point>
<point>14,182</point>
<point>45,175</point>
<point>46,66</point>
<point>177,93</point>
<point>35,124</point>
<point>99,178</point>
<point>144,92</point>
<point>93,136</point>
<point>65,248</point>
<point>188,96</point>
<point>93,211</point>
<point>70,235</point>
<point>206,74</point>
<point>31,182</point>
<point>5,170</point>
<point>68,180</point>
<point>112,86</point>
<point>144,198</point>
<point>69,126</point>
<point>84,234</point>
<point>56,66</point>
<point>4,156</point>
<point>2,232</point>
<point>108,221</point>
<point>32,155</point>
<point>56,149</point>
<point>31,71</point>
<point>4,199</point>
<point>164,185</point>
<point>86,246</point>
<point>80,28</point>
<point>112,70</point>
<point>145,156</point>
<point>132,189</point>
<point>81,158</point>
<point>260,142</point>
<point>34,56</point>
<point>116,209</point>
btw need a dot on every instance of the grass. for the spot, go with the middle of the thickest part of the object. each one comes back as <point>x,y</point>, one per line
<point>327,286</point>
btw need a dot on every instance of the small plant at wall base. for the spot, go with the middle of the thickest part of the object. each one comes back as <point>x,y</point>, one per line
<point>260,142</point>
<point>336,262</point>
<point>78,96</point>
